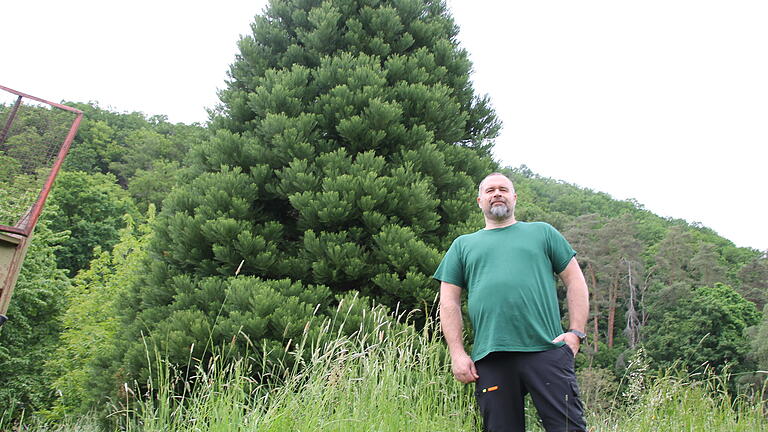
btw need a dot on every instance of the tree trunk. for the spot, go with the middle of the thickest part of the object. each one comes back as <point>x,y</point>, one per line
<point>612,296</point>
<point>595,306</point>
<point>633,322</point>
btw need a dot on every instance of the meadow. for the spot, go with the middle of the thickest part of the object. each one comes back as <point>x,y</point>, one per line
<point>387,376</point>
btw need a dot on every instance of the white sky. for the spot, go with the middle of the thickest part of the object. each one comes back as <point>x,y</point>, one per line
<point>662,101</point>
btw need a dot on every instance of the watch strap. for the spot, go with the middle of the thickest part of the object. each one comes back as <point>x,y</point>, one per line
<point>582,336</point>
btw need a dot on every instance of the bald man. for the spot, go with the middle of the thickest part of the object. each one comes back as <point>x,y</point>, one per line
<point>508,269</point>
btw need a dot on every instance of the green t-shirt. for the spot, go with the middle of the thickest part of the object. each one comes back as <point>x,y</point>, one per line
<point>509,274</point>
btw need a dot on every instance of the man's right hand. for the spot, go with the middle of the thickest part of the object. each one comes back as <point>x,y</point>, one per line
<point>464,368</point>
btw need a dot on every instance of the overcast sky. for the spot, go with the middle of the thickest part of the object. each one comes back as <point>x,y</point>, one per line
<point>665,102</point>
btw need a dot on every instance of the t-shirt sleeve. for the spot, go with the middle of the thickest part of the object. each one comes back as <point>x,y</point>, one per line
<point>451,268</point>
<point>559,250</point>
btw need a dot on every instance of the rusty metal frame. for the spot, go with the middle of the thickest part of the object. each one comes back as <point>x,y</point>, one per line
<point>15,240</point>
<point>27,223</point>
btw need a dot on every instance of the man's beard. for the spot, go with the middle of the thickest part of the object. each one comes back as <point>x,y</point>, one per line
<point>500,211</point>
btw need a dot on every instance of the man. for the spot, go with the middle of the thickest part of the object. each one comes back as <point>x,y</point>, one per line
<point>520,348</point>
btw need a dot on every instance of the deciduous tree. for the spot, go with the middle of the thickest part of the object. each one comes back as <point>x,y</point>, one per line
<point>91,207</point>
<point>31,334</point>
<point>705,327</point>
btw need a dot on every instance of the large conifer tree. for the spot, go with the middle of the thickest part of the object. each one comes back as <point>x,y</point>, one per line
<point>345,157</point>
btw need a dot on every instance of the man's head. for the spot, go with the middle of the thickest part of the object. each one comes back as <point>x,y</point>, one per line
<point>496,197</point>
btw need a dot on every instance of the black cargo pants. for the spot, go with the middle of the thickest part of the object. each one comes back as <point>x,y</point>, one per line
<point>548,376</point>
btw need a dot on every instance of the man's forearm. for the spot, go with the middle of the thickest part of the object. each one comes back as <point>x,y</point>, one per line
<point>578,296</point>
<point>450,317</point>
<point>578,306</point>
<point>452,325</point>
<point>462,366</point>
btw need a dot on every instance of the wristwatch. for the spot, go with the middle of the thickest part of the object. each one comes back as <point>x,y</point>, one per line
<point>581,335</point>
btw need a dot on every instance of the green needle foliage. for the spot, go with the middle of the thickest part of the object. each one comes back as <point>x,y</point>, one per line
<point>345,157</point>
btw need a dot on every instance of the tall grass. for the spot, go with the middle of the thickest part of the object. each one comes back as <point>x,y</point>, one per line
<point>387,376</point>
<point>674,403</point>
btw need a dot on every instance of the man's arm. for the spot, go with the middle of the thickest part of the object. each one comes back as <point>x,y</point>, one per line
<point>451,321</point>
<point>578,303</point>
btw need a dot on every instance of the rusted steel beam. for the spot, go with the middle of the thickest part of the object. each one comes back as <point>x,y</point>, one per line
<point>11,229</point>
<point>11,116</point>
<point>27,224</point>
<point>57,105</point>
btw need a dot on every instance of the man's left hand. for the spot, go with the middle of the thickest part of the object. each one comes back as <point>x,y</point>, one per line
<point>571,340</point>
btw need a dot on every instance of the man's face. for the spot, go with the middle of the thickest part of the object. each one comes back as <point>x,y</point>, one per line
<point>497,197</point>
